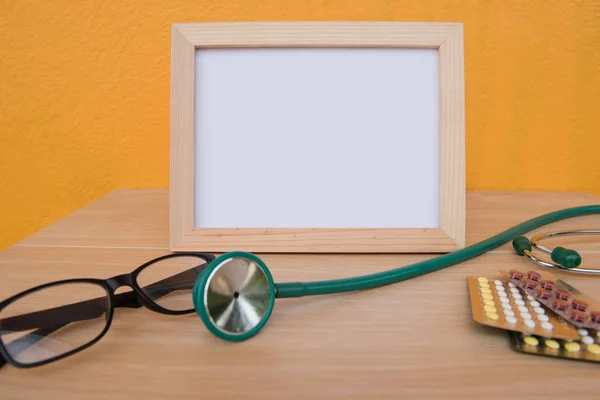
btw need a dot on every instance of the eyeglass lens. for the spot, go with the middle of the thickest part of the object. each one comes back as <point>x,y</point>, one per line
<point>169,282</point>
<point>53,321</point>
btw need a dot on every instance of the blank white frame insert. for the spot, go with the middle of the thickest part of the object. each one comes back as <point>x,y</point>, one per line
<point>317,138</point>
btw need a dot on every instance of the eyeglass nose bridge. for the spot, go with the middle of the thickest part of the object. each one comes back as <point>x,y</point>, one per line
<point>119,281</point>
<point>133,299</point>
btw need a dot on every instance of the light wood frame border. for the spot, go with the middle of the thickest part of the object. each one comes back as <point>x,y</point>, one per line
<point>446,37</point>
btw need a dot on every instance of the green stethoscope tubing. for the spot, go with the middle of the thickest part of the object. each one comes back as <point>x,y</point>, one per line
<point>299,289</point>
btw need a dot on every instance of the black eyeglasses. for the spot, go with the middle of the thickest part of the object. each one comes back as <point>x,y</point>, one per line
<point>54,320</point>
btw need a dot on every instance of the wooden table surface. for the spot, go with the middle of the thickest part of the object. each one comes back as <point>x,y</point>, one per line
<point>413,340</point>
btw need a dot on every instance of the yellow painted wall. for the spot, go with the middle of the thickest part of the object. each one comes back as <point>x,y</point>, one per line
<point>84,92</point>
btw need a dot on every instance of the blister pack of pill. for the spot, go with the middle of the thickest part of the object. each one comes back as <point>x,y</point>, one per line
<point>501,304</point>
<point>558,296</point>
<point>587,348</point>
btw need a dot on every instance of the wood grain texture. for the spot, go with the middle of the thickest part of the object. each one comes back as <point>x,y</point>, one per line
<point>452,137</point>
<point>138,218</point>
<point>490,213</point>
<point>447,37</point>
<point>318,34</point>
<point>415,339</point>
<point>321,240</point>
<point>182,137</point>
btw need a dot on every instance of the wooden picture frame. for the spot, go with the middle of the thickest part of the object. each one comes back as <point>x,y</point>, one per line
<point>446,38</point>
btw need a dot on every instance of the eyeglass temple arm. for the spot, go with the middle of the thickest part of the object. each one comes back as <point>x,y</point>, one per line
<point>156,290</point>
<point>59,316</point>
<point>181,281</point>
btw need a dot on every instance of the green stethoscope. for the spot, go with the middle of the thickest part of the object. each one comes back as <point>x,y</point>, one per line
<point>236,294</point>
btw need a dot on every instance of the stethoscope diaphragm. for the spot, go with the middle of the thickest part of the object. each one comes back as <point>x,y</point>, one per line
<point>235,296</point>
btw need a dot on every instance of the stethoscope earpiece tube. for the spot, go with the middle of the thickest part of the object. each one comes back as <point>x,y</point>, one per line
<point>566,257</point>
<point>562,258</point>
<point>521,244</point>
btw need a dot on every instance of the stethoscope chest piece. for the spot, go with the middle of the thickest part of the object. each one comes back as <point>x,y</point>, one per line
<point>235,295</point>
